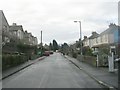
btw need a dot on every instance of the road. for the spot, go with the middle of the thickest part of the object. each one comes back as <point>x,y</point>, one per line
<point>54,71</point>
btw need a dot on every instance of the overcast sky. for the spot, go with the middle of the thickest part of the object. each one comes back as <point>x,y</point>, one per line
<point>55,17</point>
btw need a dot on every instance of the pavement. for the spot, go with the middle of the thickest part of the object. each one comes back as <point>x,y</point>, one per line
<point>54,71</point>
<point>100,74</point>
<point>16,69</point>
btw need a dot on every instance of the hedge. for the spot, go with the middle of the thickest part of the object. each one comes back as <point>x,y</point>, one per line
<point>74,55</point>
<point>33,57</point>
<point>12,60</point>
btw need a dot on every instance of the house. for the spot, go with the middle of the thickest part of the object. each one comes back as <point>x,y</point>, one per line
<point>35,41</point>
<point>4,28</point>
<point>85,41</point>
<point>109,36</point>
<point>26,37</point>
<point>91,41</point>
<point>17,31</point>
<point>14,33</point>
<point>101,43</point>
<point>29,39</point>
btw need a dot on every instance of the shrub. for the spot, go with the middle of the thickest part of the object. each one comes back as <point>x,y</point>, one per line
<point>12,60</point>
<point>74,55</point>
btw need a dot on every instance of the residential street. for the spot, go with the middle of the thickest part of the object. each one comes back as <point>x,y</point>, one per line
<point>60,44</point>
<point>54,71</point>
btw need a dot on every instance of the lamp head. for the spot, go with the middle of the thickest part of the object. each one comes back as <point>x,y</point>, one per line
<point>75,21</point>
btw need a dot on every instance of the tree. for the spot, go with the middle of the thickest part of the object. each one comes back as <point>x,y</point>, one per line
<point>87,51</point>
<point>65,48</point>
<point>50,46</point>
<point>55,45</point>
<point>27,49</point>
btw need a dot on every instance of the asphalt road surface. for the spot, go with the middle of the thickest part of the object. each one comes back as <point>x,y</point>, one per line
<point>54,71</point>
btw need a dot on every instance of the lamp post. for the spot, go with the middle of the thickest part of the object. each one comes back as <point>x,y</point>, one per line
<point>80,36</point>
<point>41,44</point>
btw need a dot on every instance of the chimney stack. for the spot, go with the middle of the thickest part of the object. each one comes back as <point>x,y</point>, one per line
<point>93,33</point>
<point>112,25</point>
<point>85,37</point>
<point>14,24</point>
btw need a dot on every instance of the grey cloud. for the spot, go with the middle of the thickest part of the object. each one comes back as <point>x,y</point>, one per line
<point>55,17</point>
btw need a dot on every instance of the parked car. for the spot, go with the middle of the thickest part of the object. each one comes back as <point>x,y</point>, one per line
<point>46,53</point>
<point>51,52</point>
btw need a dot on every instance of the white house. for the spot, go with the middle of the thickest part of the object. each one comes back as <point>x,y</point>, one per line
<point>108,37</point>
<point>91,41</point>
<point>86,41</point>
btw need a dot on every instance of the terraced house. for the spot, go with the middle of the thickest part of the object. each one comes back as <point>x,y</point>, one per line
<point>109,37</point>
<point>14,32</point>
<point>4,29</point>
<point>103,42</point>
<point>89,42</point>
<point>17,31</point>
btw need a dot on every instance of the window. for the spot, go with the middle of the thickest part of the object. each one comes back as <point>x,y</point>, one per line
<point>101,39</point>
<point>96,40</point>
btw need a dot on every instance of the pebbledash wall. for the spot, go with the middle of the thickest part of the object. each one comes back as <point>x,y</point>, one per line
<point>0,49</point>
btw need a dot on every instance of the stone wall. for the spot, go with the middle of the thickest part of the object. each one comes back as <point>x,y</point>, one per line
<point>87,59</point>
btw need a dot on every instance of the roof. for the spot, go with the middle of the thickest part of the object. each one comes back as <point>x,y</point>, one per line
<point>85,39</point>
<point>17,27</point>
<point>111,29</point>
<point>94,35</point>
<point>1,11</point>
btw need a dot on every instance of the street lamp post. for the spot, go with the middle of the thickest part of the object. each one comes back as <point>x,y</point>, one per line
<point>41,44</point>
<point>80,36</point>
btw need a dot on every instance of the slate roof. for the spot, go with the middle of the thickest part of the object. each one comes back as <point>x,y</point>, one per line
<point>17,27</point>
<point>94,35</point>
<point>110,30</point>
<point>85,39</point>
<point>2,14</point>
